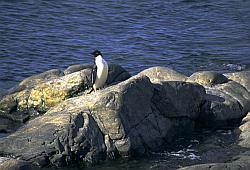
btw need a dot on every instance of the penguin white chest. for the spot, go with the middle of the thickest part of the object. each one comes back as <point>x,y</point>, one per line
<point>102,72</point>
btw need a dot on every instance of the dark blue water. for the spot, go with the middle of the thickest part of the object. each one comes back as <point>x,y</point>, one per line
<point>187,35</point>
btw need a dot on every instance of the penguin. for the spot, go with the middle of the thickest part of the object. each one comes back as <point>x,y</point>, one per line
<point>99,72</point>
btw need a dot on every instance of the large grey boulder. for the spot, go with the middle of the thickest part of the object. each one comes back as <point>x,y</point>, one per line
<point>56,138</point>
<point>38,93</point>
<point>226,104</point>
<point>244,132</point>
<point>13,105</point>
<point>120,120</point>
<point>179,99</point>
<point>242,78</point>
<point>44,95</point>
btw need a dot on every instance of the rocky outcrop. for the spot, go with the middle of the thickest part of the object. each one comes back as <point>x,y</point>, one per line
<point>121,120</point>
<point>244,132</point>
<point>56,138</point>
<point>179,99</point>
<point>37,94</point>
<point>242,78</point>
<point>30,102</point>
<point>129,117</point>
<point>226,104</point>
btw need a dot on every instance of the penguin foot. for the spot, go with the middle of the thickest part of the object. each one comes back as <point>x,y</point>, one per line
<point>111,155</point>
<point>92,89</point>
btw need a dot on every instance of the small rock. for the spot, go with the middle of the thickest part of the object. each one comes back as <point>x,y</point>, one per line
<point>159,74</point>
<point>117,74</point>
<point>77,67</point>
<point>207,78</point>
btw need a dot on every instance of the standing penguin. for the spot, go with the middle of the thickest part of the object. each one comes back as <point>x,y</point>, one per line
<point>100,71</point>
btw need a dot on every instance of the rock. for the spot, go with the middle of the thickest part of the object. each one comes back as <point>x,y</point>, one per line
<point>46,95</point>
<point>238,92</point>
<point>120,120</point>
<point>159,74</point>
<point>8,104</point>
<point>30,102</point>
<point>239,164</point>
<point>132,116</point>
<point>226,104</point>
<point>39,93</point>
<point>117,74</point>
<point>8,109</point>
<point>34,80</point>
<point>13,164</point>
<point>77,67</point>
<point>55,138</point>
<point>179,99</point>
<point>242,78</point>
<point>8,125</point>
<point>244,132</point>
<point>207,78</point>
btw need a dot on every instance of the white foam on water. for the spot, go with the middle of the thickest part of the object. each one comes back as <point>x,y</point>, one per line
<point>235,67</point>
<point>192,156</point>
<point>225,132</point>
<point>185,153</point>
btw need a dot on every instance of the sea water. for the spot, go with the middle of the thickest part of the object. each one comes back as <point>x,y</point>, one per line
<point>185,35</point>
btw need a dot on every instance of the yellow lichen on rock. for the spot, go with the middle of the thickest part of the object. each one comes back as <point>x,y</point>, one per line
<point>45,96</point>
<point>22,100</point>
<point>49,94</point>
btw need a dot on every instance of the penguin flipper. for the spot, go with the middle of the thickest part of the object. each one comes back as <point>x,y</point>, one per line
<point>93,74</point>
<point>92,78</point>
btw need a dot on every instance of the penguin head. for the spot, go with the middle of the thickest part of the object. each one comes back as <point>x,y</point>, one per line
<point>96,53</point>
